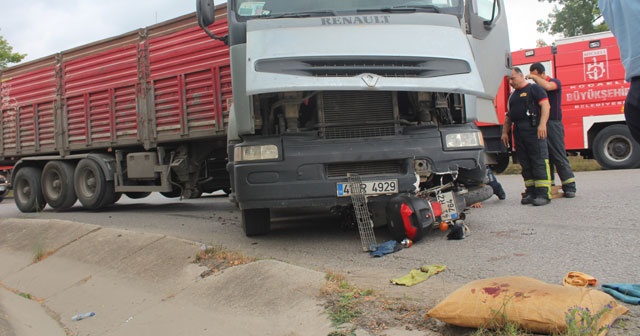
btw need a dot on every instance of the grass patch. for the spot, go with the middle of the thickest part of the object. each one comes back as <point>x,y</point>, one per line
<point>40,252</point>
<point>25,295</point>
<point>217,259</point>
<point>580,322</point>
<point>350,308</point>
<point>578,163</point>
<point>342,299</point>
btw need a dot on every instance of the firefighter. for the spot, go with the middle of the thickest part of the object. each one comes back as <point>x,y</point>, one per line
<point>555,129</point>
<point>528,112</point>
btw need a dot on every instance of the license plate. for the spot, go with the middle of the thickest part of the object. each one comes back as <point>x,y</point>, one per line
<point>3,188</point>
<point>370,188</point>
<point>449,208</point>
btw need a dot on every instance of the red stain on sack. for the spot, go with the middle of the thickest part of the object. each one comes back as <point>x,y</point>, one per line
<point>493,291</point>
<point>496,290</point>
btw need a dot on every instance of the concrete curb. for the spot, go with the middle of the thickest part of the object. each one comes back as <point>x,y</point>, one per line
<point>144,284</point>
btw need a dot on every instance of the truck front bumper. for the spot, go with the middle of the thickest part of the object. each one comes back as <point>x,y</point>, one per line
<point>307,177</point>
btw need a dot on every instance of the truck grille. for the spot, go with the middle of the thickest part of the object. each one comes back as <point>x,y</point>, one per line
<point>390,168</point>
<point>420,67</point>
<point>346,114</point>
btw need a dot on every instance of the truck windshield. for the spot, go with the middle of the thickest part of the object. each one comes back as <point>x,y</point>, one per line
<point>305,8</point>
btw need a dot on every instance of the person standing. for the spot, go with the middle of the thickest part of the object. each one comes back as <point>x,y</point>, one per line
<point>555,130</point>
<point>528,112</point>
<point>622,18</point>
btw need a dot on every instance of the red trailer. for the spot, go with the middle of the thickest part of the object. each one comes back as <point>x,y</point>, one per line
<point>593,95</point>
<point>140,112</point>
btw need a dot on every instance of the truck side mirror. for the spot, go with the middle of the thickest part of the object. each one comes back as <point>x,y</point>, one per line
<point>206,12</point>
<point>488,24</point>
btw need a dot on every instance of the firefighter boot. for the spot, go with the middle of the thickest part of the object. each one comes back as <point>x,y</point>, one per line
<point>569,190</point>
<point>528,197</point>
<point>541,197</point>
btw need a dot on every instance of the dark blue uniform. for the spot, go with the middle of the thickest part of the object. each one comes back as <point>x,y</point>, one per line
<point>533,154</point>
<point>555,138</point>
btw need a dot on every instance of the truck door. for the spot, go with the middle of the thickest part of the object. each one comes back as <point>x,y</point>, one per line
<point>489,40</point>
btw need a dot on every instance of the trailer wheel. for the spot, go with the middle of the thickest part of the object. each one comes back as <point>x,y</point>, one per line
<point>92,188</point>
<point>256,222</point>
<point>57,184</point>
<point>196,194</point>
<point>614,148</point>
<point>137,194</point>
<point>27,191</point>
<point>172,194</point>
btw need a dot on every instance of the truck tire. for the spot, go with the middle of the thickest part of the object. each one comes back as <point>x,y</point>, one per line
<point>256,222</point>
<point>57,184</point>
<point>172,194</point>
<point>614,148</point>
<point>92,188</point>
<point>27,190</point>
<point>137,194</point>
<point>502,163</point>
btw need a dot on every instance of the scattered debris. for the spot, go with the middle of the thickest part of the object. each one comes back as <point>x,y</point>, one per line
<point>82,316</point>
<point>417,276</point>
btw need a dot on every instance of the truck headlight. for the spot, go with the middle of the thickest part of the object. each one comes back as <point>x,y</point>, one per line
<point>255,153</point>
<point>463,140</point>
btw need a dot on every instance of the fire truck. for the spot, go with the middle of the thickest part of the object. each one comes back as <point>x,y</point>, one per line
<point>593,95</point>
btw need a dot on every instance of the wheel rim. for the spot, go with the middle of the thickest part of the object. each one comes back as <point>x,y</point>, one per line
<point>618,149</point>
<point>87,186</point>
<point>23,189</point>
<point>53,184</point>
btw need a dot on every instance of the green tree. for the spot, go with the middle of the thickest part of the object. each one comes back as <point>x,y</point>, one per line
<point>572,18</point>
<point>7,55</point>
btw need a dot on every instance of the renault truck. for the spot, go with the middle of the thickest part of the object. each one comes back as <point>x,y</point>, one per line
<point>388,91</point>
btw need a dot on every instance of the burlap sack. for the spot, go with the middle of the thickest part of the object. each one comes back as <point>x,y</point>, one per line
<point>532,304</point>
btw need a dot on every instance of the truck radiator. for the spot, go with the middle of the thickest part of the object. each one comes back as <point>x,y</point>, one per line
<point>358,114</point>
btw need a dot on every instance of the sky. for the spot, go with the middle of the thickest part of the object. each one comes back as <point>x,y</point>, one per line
<point>41,28</point>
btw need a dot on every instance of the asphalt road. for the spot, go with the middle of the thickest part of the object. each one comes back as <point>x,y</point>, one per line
<point>596,233</point>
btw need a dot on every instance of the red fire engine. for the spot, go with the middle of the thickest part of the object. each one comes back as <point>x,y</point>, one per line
<point>593,94</point>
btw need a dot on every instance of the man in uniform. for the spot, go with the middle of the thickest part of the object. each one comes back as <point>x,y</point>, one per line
<point>528,113</point>
<point>555,129</point>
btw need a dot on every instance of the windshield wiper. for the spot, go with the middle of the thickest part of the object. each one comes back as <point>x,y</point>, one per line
<point>401,9</point>
<point>304,14</point>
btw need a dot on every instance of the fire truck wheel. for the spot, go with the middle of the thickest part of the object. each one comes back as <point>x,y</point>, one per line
<point>57,184</point>
<point>614,148</point>
<point>256,222</point>
<point>27,190</point>
<point>92,188</point>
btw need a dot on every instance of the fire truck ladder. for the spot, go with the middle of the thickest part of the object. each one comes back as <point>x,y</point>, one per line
<point>365,224</point>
